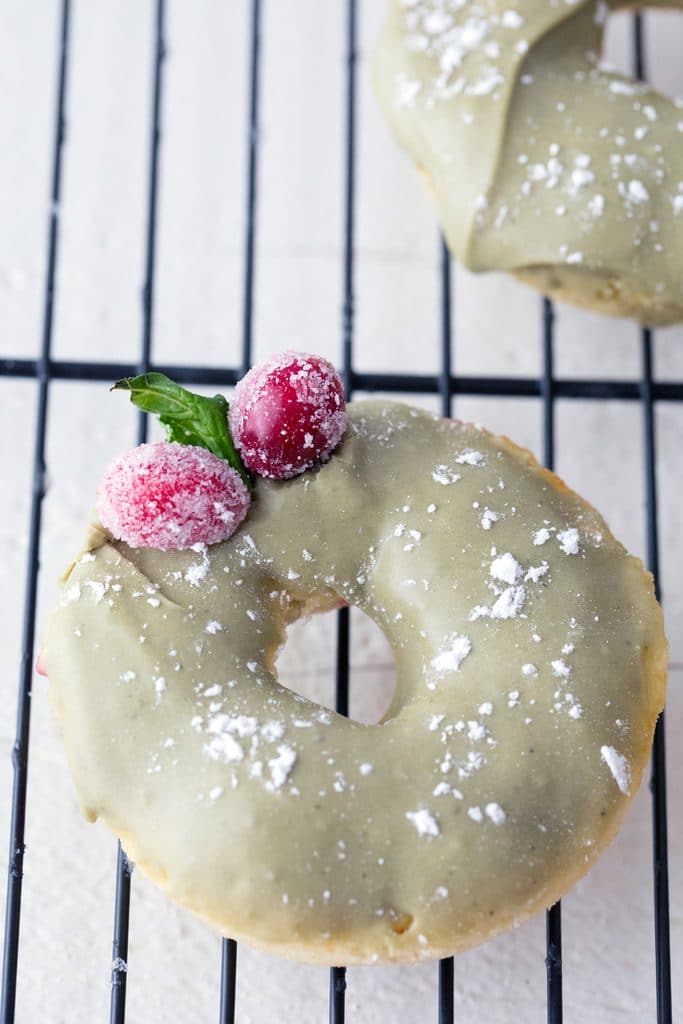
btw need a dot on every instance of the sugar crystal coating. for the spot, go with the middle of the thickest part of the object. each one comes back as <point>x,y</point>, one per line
<point>171,496</point>
<point>288,414</point>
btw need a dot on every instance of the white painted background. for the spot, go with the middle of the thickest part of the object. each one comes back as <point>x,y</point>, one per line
<point>69,865</point>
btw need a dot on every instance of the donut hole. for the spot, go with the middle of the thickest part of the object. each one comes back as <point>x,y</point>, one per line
<point>306,664</point>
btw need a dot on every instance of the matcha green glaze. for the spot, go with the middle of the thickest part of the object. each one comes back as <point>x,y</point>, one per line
<point>542,162</point>
<point>530,655</point>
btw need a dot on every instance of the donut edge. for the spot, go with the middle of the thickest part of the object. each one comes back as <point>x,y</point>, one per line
<point>599,292</point>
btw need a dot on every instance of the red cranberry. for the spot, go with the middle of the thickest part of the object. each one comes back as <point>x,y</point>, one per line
<point>288,414</point>
<point>171,496</point>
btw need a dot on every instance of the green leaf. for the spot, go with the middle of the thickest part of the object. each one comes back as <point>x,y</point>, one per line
<point>188,418</point>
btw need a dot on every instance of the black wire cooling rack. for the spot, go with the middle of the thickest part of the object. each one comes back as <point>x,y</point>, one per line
<point>647,392</point>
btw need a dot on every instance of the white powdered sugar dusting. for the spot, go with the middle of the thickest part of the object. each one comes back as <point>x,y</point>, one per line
<point>619,767</point>
<point>444,475</point>
<point>471,458</point>
<point>475,760</point>
<point>453,653</point>
<point>560,668</point>
<point>464,46</point>
<point>98,589</point>
<point>535,572</point>
<point>496,813</point>
<point>73,593</point>
<point>475,731</point>
<point>637,192</point>
<point>272,731</point>
<point>406,90</point>
<point>198,572</point>
<point>425,824</point>
<point>233,739</point>
<point>281,766</point>
<point>507,606</point>
<point>569,541</point>
<point>243,725</point>
<point>511,19</point>
<point>488,518</point>
<point>223,747</point>
<point>506,568</point>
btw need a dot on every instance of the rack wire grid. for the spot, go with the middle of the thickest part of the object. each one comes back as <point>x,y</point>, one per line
<point>547,388</point>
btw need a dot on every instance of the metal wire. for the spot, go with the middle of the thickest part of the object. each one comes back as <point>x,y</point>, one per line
<point>660,859</point>
<point>338,982</point>
<point>553,963</point>
<point>660,854</point>
<point>446,975</point>
<point>515,387</point>
<point>119,945</point>
<point>20,751</point>
<point>228,981</point>
<point>252,179</point>
<point>588,389</point>
<point>553,917</point>
<point>647,391</point>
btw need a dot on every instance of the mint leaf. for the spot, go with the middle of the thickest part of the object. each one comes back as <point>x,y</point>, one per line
<point>188,418</point>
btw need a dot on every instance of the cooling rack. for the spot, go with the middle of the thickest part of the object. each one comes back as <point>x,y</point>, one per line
<point>547,388</point>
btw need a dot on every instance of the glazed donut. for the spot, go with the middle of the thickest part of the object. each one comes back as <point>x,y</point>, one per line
<point>543,163</point>
<point>530,658</point>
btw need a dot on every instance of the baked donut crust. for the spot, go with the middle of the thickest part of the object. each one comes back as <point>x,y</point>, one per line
<point>543,163</point>
<point>531,662</point>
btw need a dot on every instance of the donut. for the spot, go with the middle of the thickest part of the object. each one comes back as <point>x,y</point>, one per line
<point>530,657</point>
<point>543,163</point>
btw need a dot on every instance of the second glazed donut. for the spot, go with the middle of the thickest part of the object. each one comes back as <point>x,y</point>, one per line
<point>542,162</point>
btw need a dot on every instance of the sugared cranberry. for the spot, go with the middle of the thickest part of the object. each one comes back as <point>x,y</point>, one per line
<point>171,496</point>
<point>288,414</point>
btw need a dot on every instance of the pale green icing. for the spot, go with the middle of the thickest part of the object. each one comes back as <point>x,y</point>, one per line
<point>542,162</point>
<point>329,840</point>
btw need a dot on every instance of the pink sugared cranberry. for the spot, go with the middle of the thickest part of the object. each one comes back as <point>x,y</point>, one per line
<point>171,496</point>
<point>287,414</point>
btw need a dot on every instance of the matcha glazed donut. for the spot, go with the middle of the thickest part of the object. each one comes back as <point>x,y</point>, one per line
<point>530,658</point>
<point>543,163</point>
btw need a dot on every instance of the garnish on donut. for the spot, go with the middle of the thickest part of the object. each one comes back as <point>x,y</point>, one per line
<point>288,414</point>
<point>171,496</point>
<point>187,418</point>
